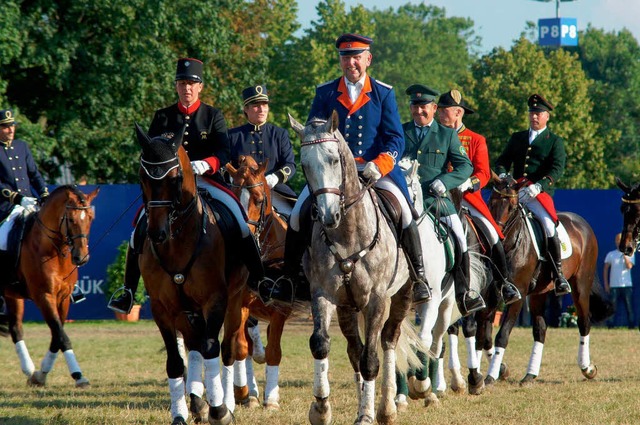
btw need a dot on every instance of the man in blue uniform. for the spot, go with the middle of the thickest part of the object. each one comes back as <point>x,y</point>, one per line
<point>370,123</point>
<point>18,175</point>
<point>265,141</point>
<point>207,144</point>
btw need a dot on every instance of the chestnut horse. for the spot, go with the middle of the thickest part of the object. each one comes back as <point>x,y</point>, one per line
<point>630,209</point>
<point>55,244</point>
<point>250,186</point>
<point>195,284</point>
<point>535,279</point>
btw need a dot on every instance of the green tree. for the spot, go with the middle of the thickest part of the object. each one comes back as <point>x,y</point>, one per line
<point>499,85</point>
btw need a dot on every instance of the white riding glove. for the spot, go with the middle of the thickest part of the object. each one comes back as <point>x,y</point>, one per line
<point>405,163</point>
<point>438,187</point>
<point>466,185</point>
<point>272,180</point>
<point>200,167</point>
<point>502,176</point>
<point>371,172</point>
<point>528,193</point>
<point>29,203</point>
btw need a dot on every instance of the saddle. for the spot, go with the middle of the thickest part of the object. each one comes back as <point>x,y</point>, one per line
<point>536,230</point>
<point>11,258</point>
<point>225,219</point>
<point>480,230</point>
<point>391,210</point>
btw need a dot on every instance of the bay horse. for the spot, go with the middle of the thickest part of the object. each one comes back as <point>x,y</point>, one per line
<point>354,266</point>
<point>535,279</point>
<point>194,282</point>
<point>55,244</point>
<point>250,186</point>
<point>630,210</point>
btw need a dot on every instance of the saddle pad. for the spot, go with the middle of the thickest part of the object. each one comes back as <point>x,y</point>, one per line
<point>565,241</point>
<point>537,234</point>
<point>445,234</point>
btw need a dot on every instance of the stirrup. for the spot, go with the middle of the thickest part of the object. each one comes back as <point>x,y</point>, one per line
<point>270,290</point>
<point>76,299</point>
<point>516,297</point>
<point>561,287</point>
<point>121,292</point>
<point>476,304</point>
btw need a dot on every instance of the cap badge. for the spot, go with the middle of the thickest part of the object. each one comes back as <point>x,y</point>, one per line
<point>259,89</point>
<point>455,94</point>
<point>8,114</point>
<point>418,94</point>
<point>187,63</point>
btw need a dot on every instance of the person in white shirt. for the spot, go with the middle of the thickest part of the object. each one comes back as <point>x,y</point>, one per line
<point>617,280</point>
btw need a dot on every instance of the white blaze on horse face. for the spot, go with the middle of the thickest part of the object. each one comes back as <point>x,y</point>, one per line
<point>323,169</point>
<point>83,215</point>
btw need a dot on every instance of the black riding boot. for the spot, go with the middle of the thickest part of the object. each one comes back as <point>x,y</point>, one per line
<point>468,303</point>
<point>252,259</point>
<point>413,250</point>
<point>124,302</point>
<point>508,290</point>
<point>562,287</point>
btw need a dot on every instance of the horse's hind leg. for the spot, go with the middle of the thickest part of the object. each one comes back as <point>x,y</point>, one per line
<point>458,383</point>
<point>320,344</point>
<point>502,338</point>
<point>273,357</point>
<point>475,378</point>
<point>581,299</point>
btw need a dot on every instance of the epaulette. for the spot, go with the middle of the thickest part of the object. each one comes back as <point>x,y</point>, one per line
<point>324,84</point>
<point>384,84</point>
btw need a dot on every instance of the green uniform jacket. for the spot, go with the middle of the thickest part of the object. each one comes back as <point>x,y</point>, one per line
<point>435,152</point>
<point>541,162</point>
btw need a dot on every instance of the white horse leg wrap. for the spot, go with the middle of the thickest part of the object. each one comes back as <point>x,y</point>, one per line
<point>48,361</point>
<point>321,378</point>
<point>26,364</point>
<point>178,400</point>
<point>357,378</point>
<point>271,388</point>
<point>479,357</point>
<point>251,379</point>
<point>212,382</point>
<point>258,348</point>
<point>584,360</point>
<point>194,374</point>
<point>472,359</point>
<point>496,361</point>
<point>181,349</point>
<point>227,385</point>
<point>441,381</point>
<point>240,373</point>
<point>72,363</point>
<point>368,398</point>
<point>454,360</point>
<point>389,371</point>
<point>536,358</point>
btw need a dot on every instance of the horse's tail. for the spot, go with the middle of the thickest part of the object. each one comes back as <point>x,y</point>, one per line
<point>600,306</point>
<point>409,343</point>
<point>477,272</point>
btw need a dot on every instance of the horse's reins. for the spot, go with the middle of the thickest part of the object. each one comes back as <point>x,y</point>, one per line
<point>56,236</point>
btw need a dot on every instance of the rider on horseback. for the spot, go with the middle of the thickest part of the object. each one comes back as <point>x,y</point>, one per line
<point>538,158</point>
<point>437,147</point>
<point>451,110</point>
<point>207,144</point>
<point>370,123</point>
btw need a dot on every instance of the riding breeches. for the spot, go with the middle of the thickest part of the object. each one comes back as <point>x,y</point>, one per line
<point>547,222</point>
<point>384,183</point>
<point>229,202</point>
<point>7,225</point>
<point>454,223</point>
<point>280,204</point>
<point>493,235</point>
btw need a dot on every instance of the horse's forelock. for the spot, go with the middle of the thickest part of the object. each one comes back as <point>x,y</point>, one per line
<point>160,149</point>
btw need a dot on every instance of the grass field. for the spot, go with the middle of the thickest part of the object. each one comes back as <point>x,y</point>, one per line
<point>125,363</point>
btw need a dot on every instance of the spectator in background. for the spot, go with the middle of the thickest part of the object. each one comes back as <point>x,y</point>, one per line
<point>617,280</point>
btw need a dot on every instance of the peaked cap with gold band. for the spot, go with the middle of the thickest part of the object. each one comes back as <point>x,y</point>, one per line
<point>255,94</point>
<point>352,44</point>
<point>537,103</point>
<point>6,117</point>
<point>454,98</point>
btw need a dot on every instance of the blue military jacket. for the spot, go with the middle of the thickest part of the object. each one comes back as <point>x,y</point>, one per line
<point>266,142</point>
<point>18,173</point>
<point>370,127</point>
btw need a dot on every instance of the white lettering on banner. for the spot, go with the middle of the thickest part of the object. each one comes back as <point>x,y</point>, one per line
<point>570,30</point>
<point>544,31</point>
<point>90,286</point>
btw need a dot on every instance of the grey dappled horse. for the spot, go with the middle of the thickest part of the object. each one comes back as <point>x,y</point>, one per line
<point>354,264</point>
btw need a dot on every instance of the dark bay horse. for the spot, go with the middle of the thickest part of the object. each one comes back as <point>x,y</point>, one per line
<point>535,279</point>
<point>195,284</point>
<point>55,244</point>
<point>354,267</point>
<point>250,186</point>
<point>630,209</point>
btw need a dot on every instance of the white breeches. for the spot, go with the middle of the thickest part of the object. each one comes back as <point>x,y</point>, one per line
<point>454,223</point>
<point>7,225</point>
<point>547,222</point>
<point>493,235</point>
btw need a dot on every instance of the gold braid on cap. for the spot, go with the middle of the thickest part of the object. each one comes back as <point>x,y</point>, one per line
<point>455,94</point>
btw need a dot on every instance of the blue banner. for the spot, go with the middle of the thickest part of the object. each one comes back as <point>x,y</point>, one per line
<point>558,32</point>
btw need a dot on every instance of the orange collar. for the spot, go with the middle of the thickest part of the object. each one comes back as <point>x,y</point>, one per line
<point>360,101</point>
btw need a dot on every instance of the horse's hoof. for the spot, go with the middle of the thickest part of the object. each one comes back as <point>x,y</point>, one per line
<point>528,379</point>
<point>401,403</point>
<point>381,418</point>
<point>258,356</point>
<point>320,412</point>
<point>418,389</point>
<point>37,379</point>
<point>82,382</point>
<point>441,394</point>
<point>489,381</point>
<point>199,409</point>
<point>272,405</point>
<point>504,372</point>
<point>590,372</point>
<point>179,420</point>
<point>476,383</point>
<point>364,420</point>
<point>458,384</point>
<point>431,401</point>
<point>220,415</point>
<point>251,402</point>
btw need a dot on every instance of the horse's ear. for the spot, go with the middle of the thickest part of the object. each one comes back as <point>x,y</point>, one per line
<point>230,168</point>
<point>297,127</point>
<point>143,137</point>
<point>176,140</point>
<point>335,121</point>
<point>263,167</point>
<point>93,194</point>
<point>621,185</point>
<point>494,177</point>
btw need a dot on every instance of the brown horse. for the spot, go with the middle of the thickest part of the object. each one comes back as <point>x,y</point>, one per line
<point>250,186</point>
<point>55,244</point>
<point>630,209</point>
<point>195,284</point>
<point>535,278</point>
